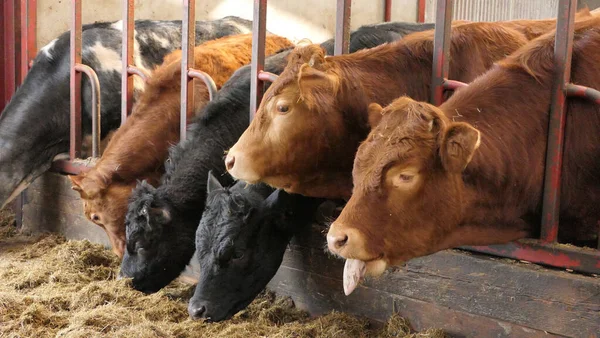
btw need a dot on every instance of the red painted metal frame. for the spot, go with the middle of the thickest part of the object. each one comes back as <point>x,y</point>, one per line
<point>387,14</point>
<point>342,27</point>
<point>441,50</point>
<point>127,45</point>
<point>3,99</point>
<point>10,67</point>
<point>188,41</point>
<point>545,251</point>
<point>75,81</point>
<point>421,11</point>
<point>562,74</point>
<point>259,28</point>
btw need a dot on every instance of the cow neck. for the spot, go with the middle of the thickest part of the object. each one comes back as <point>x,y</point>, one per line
<point>504,176</point>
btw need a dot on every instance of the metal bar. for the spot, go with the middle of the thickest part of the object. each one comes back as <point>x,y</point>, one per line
<point>453,84</point>
<point>75,81</point>
<point>188,41</point>
<point>207,79</point>
<point>591,94</point>
<point>441,50</point>
<point>387,14</point>
<point>267,76</point>
<point>23,50</point>
<point>342,27</point>
<point>421,11</point>
<point>95,83</point>
<point>31,27</point>
<point>3,79</point>
<point>9,44</point>
<point>551,254</point>
<point>556,131</point>
<point>132,70</point>
<point>259,29</point>
<point>127,45</point>
<point>70,167</point>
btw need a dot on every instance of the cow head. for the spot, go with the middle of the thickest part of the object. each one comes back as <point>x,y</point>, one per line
<point>240,244</point>
<point>297,137</point>
<point>105,206</point>
<point>158,246</point>
<point>408,192</point>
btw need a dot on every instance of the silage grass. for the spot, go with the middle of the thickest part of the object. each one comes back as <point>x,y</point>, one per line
<point>53,287</point>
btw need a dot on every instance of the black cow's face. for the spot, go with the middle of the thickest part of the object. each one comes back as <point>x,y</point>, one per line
<point>158,244</point>
<point>240,244</point>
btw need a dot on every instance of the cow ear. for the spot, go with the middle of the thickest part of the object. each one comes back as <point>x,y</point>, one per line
<point>316,86</point>
<point>459,142</point>
<point>76,181</point>
<point>375,114</point>
<point>213,182</point>
<point>160,215</point>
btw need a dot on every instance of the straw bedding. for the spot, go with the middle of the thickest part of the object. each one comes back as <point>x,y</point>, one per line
<point>51,287</point>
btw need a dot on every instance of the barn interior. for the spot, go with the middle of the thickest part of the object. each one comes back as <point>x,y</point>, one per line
<point>53,259</point>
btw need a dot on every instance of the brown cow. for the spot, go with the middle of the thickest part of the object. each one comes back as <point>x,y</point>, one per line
<point>471,171</point>
<point>139,148</point>
<point>311,120</point>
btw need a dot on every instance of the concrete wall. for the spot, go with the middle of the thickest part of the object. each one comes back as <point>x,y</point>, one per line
<point>313,19</point>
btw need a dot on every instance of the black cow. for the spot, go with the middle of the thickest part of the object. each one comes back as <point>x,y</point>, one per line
<point>240,243</point>
<point>161,222</point>
<point>34,126</point>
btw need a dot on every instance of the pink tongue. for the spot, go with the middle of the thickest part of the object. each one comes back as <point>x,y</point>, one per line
<point>354,270</point>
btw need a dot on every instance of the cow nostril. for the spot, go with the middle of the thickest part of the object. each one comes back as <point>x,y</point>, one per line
<point>197,312</point>
<point>229,162</point>
<point>337,241</point>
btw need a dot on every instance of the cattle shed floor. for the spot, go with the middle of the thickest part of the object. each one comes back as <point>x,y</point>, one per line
<point>466,294</point>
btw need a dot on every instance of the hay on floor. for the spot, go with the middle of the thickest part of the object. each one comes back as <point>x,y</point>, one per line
<point>51,287</point>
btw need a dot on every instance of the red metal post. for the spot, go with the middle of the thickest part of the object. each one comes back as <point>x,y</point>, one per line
<point>441,50</point>
<point>259,29</point>
<point>3,80</point>
<point>387,14</point>
<point>188,41</point>
<point>9,51</point>
<point>421,11</point>
<point>342,27</point>
<point>23,49</point>
<point>563,49</point>
<point>127,58</point>
<point>75,81</point>
<point>31,34</point>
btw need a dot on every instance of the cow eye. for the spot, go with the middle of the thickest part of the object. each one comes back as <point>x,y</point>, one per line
<point>95,218</point>
<point>238,255</point>
<point>283,108</point>
<point>405,178</point>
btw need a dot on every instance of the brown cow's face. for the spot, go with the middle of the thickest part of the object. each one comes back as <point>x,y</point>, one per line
<point>106,208</point>
<point>296,128</point>
<point>408,188</point>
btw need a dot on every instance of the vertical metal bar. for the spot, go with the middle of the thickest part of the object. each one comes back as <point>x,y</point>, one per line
<point>127,45</point>
<point>259,30</point>
<point>188,41</point>
<point>9,43</point>
<point>31,27</point>
<point>421,11</point>
<point>75,81</point>
<point>563,47</point>
<point>342,27</point>
<point>441,49</point>
<point>3,71</point>
<point>387,14</point>
<point>23,50</point>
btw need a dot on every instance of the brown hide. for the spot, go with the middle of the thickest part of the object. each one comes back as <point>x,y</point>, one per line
<point>471,171</point>
<point>139,148</point>
<point>311,120</point>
